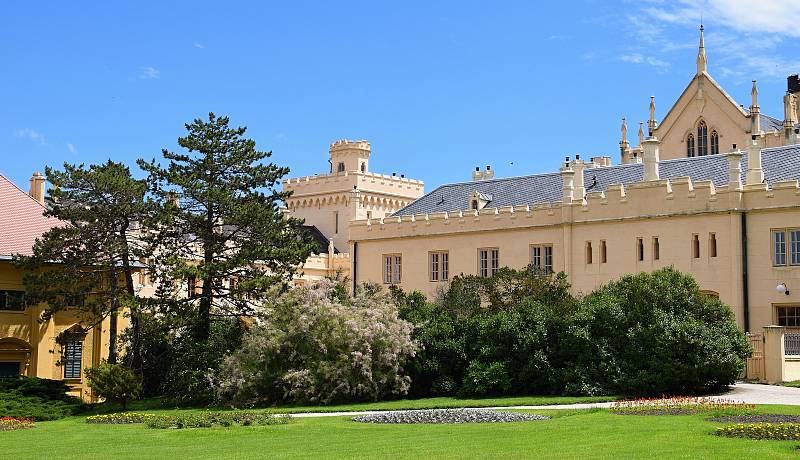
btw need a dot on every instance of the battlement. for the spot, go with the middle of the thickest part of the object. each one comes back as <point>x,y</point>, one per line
<point>345,144</point>
<point>680,196</point>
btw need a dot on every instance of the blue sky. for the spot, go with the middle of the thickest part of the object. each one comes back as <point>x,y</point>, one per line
<point>437,87</point>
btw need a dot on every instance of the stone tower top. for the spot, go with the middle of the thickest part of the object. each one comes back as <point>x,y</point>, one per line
<point>350,156</point>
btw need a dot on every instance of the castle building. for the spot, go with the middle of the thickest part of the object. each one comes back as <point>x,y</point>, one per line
<point>348,191</point>
<point>711,190</point>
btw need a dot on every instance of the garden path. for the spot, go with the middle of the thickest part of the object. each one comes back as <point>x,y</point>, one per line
<point>749,393</point>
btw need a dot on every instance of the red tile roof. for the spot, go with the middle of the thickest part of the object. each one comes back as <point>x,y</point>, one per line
<point>21,220</point>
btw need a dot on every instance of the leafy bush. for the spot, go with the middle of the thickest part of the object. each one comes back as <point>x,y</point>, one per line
<point>312,346</point>
<point>119,418</point>
<point>779,431</point>
<point>656,333</point>
<point>37,399</point>
<point>214,419</point>
<point>15,423</point>
<point>114,382</point>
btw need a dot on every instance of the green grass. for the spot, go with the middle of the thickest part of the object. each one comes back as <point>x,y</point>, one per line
<point>793,383</point>
<point>400,404</point>
<point>570,434</point>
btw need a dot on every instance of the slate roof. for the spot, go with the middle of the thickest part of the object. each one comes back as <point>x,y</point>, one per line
<point>320,239</point>
<point>779,163</point>
<point>769,123</point>
<point>21,220</point>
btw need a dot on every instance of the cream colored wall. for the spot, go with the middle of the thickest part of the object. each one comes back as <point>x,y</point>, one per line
<point>672,210</point>
<point>709,104</point>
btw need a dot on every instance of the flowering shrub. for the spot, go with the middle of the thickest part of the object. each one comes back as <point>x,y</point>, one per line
<point>212,419</point>
<point>15,423</point>
<point>681,405</point>
<point>779,431</point>
<point>317,345</point>
<point>120,418</point>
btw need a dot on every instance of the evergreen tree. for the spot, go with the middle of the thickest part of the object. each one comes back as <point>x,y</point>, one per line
<point>88,263</point>
<point>223,242</point>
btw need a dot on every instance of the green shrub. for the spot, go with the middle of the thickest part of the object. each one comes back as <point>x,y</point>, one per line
<point>114,382</point>
<point>216,419</point>
<point>656,333</point>
<point>37,399</point>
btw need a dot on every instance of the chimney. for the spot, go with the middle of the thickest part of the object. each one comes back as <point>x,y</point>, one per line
<point>651,158</point>
<point>477,174</point>
<point>579,166</point>
<point>568,178</point>
<point>37,187</point>
<point>793,83</point>
<point>734,169</point>
<point>488,174</point>
<point>755,175</point>
<point>601,162</point>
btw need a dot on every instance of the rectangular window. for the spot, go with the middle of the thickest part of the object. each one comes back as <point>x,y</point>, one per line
<point>336,222</point>
<point>789,316</point>
<point>786,247</point>
<point>12,300</point>
<point>73,353</point>
<point>639,249</point>
<point>656,249</point>
<point>369,214</point>
<point>695,246</point>
<point>712,245</point>
<point>603,252</point>
<point>488,262</point>
<point>588,252</point>
<point>439,268</point>
<point>392,268</point>
<point>542,257</point>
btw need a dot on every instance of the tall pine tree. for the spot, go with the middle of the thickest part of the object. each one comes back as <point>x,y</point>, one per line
<point>88,263</point>
<point>222,242</point>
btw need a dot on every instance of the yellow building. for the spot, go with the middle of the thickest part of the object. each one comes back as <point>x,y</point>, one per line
<point>712,190</point>
<point>28,346</point>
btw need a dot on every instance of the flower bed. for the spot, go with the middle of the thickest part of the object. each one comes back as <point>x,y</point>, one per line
<point>779,431</point>
<point>215,419</point>
<point>15,423</point>
<point>448,416</point>
<point>120,418</point>
<point>683,405</point>
<point>757,418</point>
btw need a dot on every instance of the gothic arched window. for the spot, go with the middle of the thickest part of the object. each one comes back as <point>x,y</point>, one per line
<point>714,143</point>
<point>690,145</point>
<point>702,139</point>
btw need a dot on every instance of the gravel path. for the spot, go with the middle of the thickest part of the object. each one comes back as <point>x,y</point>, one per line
<point>749,393</point>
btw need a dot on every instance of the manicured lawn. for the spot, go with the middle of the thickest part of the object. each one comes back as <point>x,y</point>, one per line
<point>570,434</point>
<point>793,383</point>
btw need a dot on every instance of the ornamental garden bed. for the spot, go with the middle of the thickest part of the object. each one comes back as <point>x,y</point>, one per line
<point>757,418</point>
<point>681,405</point>
<point>15,423</point>
<point>192,419</point>
<point>436,416</point>
<point>777,431</point>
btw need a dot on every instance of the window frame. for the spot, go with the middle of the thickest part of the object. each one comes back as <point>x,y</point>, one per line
<point>714,142</point>
<point>790,241</point>
<point>795,316</point>
<point>695,245</point>
<point>639,249</point>
<point>588,253</point>
<point>545,264</point>
<point>71,358</point>
<point>392,268</point>
<point>18,295</point>
<point>441,272</point>
<point>690,146</point>
<point>702,138</point>
<point>603,252</point>
<point>713,249</point>
<point>492,259</point>
<point>656,243</point>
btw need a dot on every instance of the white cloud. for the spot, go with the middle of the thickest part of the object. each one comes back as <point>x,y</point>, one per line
<point>31,134</point>
<point>149,73</point>
<point>636,58</point>
<point>198,45</point>
<point>71,147</point>
<point>743,37</point>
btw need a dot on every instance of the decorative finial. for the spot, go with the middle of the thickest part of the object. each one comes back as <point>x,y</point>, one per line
<point>624,129</point>
<point>641,132</point>
<point>702,61</point>
<point>651,122</point>
<point>754,94</point>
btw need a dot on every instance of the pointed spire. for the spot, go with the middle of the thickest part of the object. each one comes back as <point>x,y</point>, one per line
<point>702,62</point>
<point>624,129</point>
<point>641,132</point>
<point>754,94</point>
<point>651,122</point>
<point>755,111</point>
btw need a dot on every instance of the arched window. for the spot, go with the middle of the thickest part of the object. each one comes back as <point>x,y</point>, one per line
<point>714,143</point>
<point>363,167</point>
<point>690,145</point>
<point>702,139</point>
